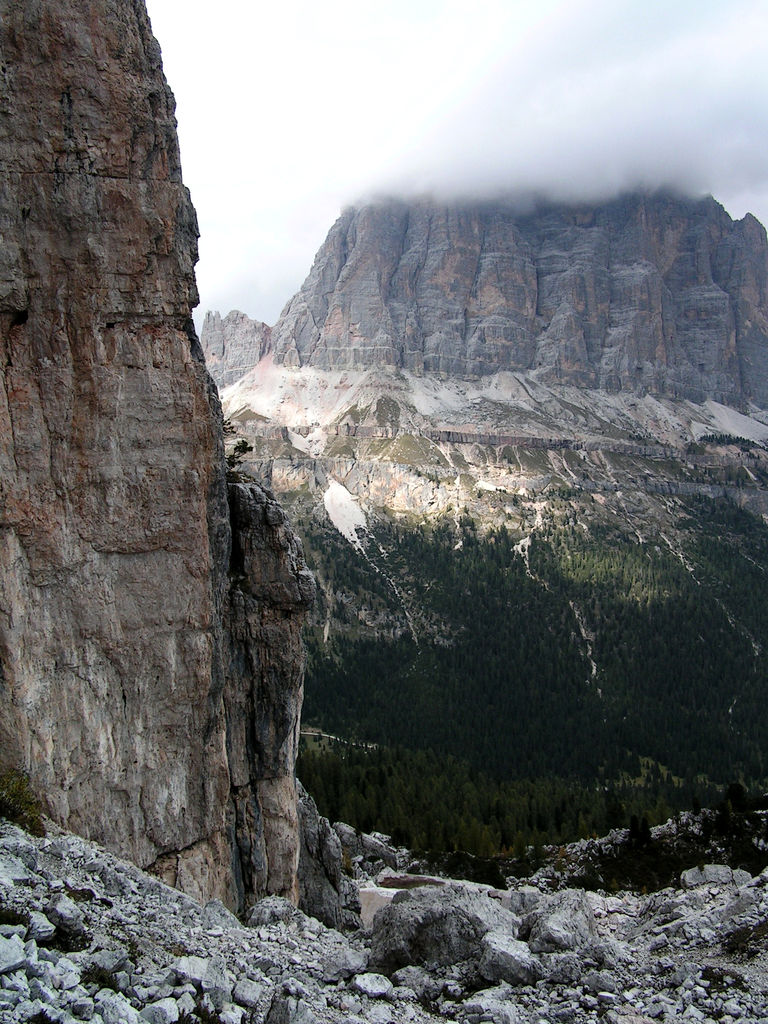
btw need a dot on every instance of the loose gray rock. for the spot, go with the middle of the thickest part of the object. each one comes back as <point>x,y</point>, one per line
<point>505,958</point>
<point>496,1004</point>
<point>40,928</point>
<point>375,986</point>
<point>12,869</point>
<point>115,1008</point>
<point>247,993</point>
<point>273,910</point>
<point>216,915</point>
<point>566,922</point>
<point>425,985</point>
<point>342,963</point>
<point>208,975</point>
<point>12,954</point>
<point>163,1011</point>
<point>435,925</point>
<point>64,913</point>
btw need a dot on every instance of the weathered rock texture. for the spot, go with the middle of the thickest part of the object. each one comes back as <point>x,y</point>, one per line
<point>648,293</point>
<point>135,684</point>
<point>233,344</point>
<point>325,891</point>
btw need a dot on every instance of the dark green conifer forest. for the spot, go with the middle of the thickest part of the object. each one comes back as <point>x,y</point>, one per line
<point>498,694</point>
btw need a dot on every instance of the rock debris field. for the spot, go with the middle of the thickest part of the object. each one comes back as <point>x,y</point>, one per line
<point>85,936</point>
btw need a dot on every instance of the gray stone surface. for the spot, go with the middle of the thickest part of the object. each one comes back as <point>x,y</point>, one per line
<point>435,925</point>
<point>247,993</point>
<point>232,345</point>
<point>324,889</point>
<point>12,954</point>
<point>566,922</point>
<point>291,968</point>
<point>130,578</point>
<point>504,958</point>
<point>648,292</point>
<point>375,986</point>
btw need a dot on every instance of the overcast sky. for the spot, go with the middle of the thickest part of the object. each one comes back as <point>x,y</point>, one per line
<point>288,111</point>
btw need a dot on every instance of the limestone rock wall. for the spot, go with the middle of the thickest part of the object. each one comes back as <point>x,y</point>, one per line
<point>648,293</point>
<point>233,344</point>
<point>119,674</point>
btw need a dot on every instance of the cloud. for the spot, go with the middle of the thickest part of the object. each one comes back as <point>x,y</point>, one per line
<point>289,112</point>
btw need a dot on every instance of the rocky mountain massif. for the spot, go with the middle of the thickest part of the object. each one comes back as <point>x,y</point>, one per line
<point>150,659</point>
<point>85,936</point>
<point>648,293</point>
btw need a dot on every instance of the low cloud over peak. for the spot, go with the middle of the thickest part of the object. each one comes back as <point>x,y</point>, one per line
<point>302,109</point>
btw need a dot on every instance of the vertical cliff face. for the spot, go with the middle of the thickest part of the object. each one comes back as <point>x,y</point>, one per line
<point>646,293</point>
<point>234,344</point>
<point>120,679</point>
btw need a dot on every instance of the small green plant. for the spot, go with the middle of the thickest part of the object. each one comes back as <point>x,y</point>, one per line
<point>18,803</point>
<point>238,453</point>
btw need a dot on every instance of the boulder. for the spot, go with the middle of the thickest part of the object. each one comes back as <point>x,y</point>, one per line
<point>64,913</point>
<point>435,926</point>
<point>341,963</point>
<point>163,1011</point>
<point>247,993</point>
<point>566,922</point>
<point>273,910</point>
<point>40,928</point>
<point>216,915</point>
<point>419,981</point>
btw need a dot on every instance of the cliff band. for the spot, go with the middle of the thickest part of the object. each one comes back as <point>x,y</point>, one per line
<point>647,293</point>
<point>150,660</point>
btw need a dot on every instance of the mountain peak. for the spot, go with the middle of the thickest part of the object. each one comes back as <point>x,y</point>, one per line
<point>647,293</point>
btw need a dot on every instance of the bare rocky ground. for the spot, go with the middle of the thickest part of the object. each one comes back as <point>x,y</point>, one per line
<point>85,936</point>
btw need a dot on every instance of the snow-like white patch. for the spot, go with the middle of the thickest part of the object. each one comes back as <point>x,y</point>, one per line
<point>299,442</point>
<point>729,421</point>
<point>344,512</point>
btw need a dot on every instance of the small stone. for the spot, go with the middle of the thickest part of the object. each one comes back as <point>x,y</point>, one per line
<point>12,954</point>
<point>82,1008</point>
<point>9,997</point>
<point>65,914</point>
<point>115,1008</point>
<point>343,963</point>
<point>215,915</point>
<point>232,1015</point>
<point>375,986</point>
<point>505,958</point>
<point>12,870</point>
<point>162,1011</point>
<point>40,991</point>
<point>186,1003</point>
<point>40,928</point>
<point>247,993</point>
<point>380,1013</point>
<point>15,982</point>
